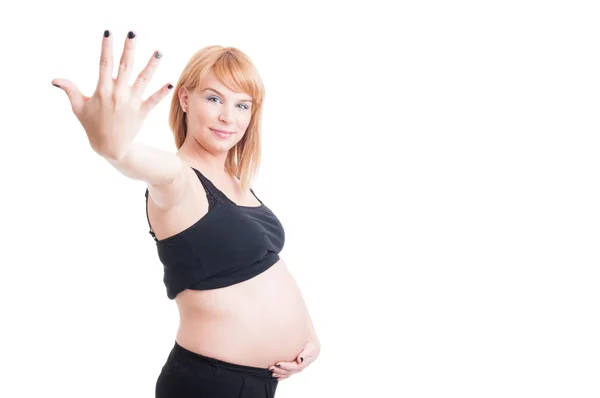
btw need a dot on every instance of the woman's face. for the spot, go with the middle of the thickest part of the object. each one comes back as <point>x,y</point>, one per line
<point>216,108</point>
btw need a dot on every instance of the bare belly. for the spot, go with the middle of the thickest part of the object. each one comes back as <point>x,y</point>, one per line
<point>257,322</point>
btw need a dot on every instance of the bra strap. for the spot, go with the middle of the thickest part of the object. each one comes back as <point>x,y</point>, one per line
<point>151,231</point>
<point>256,197</point>
<point>212,196</point>
<point>215,193</point>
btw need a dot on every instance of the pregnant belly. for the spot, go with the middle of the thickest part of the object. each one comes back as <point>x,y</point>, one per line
<point>257,322</point>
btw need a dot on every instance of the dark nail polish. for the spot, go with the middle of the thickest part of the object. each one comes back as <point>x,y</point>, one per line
<point>56,85</point>
<point>131,35</point>
<point>301,359</point>
<point>106,33</point>
<point>279,366</point>
<point>170,86</point>
<point>158,55</point>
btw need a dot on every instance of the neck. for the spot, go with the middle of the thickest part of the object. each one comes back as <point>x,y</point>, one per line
<point>194,153</point>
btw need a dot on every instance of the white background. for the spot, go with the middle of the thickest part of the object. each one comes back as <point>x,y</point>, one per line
<point>434,164</point>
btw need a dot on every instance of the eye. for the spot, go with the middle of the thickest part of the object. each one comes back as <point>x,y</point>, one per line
<point>217,98</point>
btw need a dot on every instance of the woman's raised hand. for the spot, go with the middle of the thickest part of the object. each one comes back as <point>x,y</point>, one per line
<point>114,114</point>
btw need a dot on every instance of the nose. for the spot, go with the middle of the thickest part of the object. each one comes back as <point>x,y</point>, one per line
<point>226,115</point>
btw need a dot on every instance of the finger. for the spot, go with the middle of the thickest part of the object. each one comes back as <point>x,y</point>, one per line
<point>144,77</point>
<point>286,366</point>
<point>278,371</point>
<point>75,97</point>
<point>303,355</point>
<point>126,63</point>
<point>155,98</point>
<point>106,61</point>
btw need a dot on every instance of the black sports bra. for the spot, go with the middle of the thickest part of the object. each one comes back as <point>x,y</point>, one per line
<point>228,245</point>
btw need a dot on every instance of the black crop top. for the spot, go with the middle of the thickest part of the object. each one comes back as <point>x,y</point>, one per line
<point>228,245</point>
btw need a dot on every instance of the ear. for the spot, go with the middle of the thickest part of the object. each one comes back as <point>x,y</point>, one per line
<point>183,97</point>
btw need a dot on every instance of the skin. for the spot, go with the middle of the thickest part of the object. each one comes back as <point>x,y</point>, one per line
<point>208,109</point>
<point>278,332</point>
<point>226,110</point>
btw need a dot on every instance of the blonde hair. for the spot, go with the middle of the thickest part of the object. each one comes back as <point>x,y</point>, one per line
<point>235,70</point>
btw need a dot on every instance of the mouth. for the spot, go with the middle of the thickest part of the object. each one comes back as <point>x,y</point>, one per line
<point>222,131</point>
<point>222,134</point>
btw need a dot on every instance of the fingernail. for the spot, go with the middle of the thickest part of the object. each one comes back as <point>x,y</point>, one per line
<point>56,85</point>
<point>106,33</point>
<point>301,359</point>
<point>279,366</point>
<point>158,54</point>
<point>131,35</point>
<point>170,86</point>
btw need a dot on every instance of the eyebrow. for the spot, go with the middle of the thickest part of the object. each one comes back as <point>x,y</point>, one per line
<point>212,89</point>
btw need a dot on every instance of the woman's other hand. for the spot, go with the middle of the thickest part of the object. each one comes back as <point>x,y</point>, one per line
<point>115,113</point>
<point>283,370</point>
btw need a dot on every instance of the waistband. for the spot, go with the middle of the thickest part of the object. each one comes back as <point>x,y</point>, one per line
<point>194,359</point>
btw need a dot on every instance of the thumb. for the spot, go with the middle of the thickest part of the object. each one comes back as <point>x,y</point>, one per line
<point>75,97</point>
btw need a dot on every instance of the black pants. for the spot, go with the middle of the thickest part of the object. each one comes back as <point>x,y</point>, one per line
<point>187,374</point>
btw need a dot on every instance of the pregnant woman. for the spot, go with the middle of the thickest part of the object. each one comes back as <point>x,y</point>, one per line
<point>244,325</point>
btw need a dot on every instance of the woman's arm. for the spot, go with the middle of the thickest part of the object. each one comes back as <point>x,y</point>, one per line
<point>161,170</point>
<point>114,114</point>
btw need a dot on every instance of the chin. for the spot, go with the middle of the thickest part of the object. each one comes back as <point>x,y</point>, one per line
<point>223,146</point>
